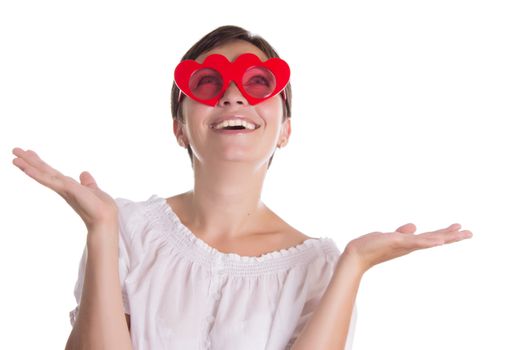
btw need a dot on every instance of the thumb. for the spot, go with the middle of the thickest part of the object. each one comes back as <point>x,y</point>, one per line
<point>87,180</point>
<point>407,228</point>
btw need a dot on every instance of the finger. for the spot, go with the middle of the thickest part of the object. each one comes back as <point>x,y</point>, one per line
<point>53,182</point>
<point>440,238</point>
<point>425,243</point>
<point>407,228</point>
<point>52,179</point>
<point>32,159</point>
<point>87,180</point>
<point>457,236</point>
<point>453,227</point>
<point>438,234</point>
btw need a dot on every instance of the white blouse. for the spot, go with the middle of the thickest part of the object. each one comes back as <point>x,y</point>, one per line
<point>182,293</point>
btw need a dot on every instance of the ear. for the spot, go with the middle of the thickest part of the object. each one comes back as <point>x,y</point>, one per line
<point>178,132</point>
<point>285,132</point>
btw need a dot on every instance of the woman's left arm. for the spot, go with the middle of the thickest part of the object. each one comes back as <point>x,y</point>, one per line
<point>329,324</point>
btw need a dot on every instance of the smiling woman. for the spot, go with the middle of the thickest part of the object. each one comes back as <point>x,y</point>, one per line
<point>247,43</point>
<point>214,267</point>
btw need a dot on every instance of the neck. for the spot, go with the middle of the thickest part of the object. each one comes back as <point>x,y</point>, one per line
<point>226,200</point>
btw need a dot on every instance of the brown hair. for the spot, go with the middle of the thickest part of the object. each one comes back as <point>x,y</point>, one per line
<point>217,37</point>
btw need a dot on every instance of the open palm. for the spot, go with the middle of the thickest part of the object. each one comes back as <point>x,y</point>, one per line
<point>94,206</point>
<point>377,247</point>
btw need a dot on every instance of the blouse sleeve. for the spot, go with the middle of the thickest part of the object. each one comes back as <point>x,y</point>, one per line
<point>320,274</point>
<point>125,257</point>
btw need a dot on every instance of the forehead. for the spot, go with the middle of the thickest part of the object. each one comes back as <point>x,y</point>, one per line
<point>232,50</point>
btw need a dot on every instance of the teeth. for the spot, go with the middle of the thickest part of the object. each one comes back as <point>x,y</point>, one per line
<point>235,122</point>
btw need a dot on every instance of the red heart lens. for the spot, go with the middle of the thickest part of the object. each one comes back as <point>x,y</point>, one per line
<point>206,82</point>
<point>259,82</point>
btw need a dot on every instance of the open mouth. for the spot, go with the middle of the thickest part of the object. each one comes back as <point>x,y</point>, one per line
<point>235,124</point>
<point>236,127</point>
<point>234,131</point>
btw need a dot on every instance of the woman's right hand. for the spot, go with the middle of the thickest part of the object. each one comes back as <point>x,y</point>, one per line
<point>95,207</point>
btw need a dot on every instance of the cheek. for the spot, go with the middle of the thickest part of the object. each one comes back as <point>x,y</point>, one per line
<point>195,111</point>
<point>195,116</point>
<point>271,110</point>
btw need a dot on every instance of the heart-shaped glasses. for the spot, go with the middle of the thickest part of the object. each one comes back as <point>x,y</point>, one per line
<point>256,80</point>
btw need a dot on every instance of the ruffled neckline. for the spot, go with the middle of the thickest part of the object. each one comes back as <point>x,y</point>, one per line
<point>328,243</point>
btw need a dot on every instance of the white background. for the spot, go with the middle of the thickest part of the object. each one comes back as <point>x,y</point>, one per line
<point>403,111</point>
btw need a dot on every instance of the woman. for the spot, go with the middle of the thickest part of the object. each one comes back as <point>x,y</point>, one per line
<point>214,267</point>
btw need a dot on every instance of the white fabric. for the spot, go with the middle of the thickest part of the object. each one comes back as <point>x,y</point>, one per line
<point>182,293</point>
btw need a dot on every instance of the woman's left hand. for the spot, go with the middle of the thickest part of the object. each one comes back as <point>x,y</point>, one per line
<point>377,247</point>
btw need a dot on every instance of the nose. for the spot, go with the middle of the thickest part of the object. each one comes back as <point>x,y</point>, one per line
<point>232,96</point>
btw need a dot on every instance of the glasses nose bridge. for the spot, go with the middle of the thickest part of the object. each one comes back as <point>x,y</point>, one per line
<point>232,92</point>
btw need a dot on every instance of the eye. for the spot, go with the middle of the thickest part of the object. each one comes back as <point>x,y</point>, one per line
<point>208,79</point>
<point>205,83</point>
<point>259,82</point>
<point>258,79</point>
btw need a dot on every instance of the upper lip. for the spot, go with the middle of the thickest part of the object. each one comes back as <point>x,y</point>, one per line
<point>232,117</point>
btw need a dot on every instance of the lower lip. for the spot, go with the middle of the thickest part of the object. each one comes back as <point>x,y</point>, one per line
<point>240,131</point>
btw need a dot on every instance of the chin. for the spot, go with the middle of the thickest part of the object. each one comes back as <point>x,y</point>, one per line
<point>240,159</point>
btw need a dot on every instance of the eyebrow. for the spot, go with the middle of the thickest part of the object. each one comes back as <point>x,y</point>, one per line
<point>199,60</point>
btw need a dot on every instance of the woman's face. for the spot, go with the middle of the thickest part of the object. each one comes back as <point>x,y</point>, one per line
<point>212,146</point>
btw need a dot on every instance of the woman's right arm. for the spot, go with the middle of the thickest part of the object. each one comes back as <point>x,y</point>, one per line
<point>100,322</point>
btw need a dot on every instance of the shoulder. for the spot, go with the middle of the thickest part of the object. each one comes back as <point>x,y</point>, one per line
<point>138,237</point>
<point>326,248</point>
<point>284,233</point>
<point>291,237</point>
<point>280,225</point>
<point>132,215</point>
<point>128,207</point>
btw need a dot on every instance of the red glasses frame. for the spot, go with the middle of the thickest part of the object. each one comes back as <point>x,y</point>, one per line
<point>231,71</point>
